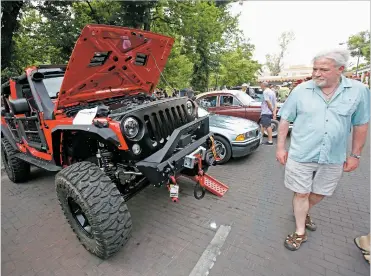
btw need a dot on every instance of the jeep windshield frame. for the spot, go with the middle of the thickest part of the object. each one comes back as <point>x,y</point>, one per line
<point>53,85</point>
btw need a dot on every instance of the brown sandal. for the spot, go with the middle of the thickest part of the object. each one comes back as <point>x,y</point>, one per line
<point>309,224</point>
<point>293,241</point>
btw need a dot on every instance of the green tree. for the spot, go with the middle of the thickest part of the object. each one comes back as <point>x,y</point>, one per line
<point>360,44</point>
<point>204,32</point>
<point>32,47</point>
<point>274,61</point>
<point>10,11</point>
<point>237,67</point>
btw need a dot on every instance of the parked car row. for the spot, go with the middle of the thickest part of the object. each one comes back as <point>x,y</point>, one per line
<point>235,103</point>
<point>234,137</point>
<point>234,119</point>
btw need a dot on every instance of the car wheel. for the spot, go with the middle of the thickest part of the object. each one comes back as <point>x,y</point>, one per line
<point>94,208</point>
<point>223,149</point>
<point>17,170</point>
<point>274,126</point>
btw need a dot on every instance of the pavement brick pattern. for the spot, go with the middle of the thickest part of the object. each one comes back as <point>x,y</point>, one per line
<point>169,238</point>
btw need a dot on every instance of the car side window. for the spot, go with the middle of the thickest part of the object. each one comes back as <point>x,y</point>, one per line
<point>229,101</point>
<point>226,100</point>
<point>208,101</point>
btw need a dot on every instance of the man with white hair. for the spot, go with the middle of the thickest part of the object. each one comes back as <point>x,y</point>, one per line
<point>324,110</point>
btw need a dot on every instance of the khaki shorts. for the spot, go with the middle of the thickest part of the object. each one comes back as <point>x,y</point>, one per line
<point>317,178</point>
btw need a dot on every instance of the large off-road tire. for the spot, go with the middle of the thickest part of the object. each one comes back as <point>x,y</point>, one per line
<point>94,208</point>
<point>17,170</point>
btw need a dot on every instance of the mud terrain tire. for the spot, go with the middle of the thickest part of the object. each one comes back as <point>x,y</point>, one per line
<point>17,170</point>
<point>101,204</point>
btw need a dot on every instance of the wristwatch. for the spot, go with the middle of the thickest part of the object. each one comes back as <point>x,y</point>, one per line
<point>355,156</point>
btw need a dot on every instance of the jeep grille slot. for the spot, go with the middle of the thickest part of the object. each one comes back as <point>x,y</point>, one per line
<point>160,125</point>
<point>165,125</point>
<point>150,130</point>
<point>177,119</point>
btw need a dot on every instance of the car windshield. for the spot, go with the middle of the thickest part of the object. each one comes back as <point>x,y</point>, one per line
<point>244,98</point>
<point>202,112</point>
<point>258,97</point>
<point>53,85</point>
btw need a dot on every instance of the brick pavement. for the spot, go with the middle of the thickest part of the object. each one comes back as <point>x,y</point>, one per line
<point>168,238</point>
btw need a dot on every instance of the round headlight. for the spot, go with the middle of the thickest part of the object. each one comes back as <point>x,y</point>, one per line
<point>131,127</point>
<point>189,106</point>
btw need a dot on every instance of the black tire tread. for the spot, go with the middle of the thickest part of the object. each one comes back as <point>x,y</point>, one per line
<point>19,169</point>
<point>106,209</point>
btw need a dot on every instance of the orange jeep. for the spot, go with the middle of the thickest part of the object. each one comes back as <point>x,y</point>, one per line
<point>95,123</point>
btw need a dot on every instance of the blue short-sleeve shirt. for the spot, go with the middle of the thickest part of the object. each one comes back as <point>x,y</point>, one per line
<point>321,129</point>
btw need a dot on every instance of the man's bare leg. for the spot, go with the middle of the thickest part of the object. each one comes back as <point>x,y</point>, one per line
<point>262,129</point>
<point>301,208</point>
<point>314,199</point>
<point>270,138</point>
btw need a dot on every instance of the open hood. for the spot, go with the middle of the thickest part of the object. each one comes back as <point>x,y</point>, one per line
<point>108,61</point>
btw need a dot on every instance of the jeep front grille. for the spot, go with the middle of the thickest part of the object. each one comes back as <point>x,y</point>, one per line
<point>160,125</point>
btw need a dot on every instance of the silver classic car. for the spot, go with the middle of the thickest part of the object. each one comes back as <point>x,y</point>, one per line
<point>234,137</point>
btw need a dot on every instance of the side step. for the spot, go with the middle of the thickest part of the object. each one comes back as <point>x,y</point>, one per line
<point>214,186</point>
<point>38,162</point>
<point>209,183</point>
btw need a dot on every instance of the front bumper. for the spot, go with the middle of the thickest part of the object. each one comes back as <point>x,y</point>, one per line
<point>244,148</point>
<point>158,167</point>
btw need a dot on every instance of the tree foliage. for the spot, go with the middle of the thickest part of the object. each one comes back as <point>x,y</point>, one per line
<point>207,37</point>
<point>10,11</point>
<point>360,44</point>
<point>274,61</point>
<point>236,67</point>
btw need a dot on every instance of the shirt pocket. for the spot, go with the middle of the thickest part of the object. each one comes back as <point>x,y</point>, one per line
<point>346,107</point>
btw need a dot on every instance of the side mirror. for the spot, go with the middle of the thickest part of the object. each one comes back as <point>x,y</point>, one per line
<point>19,106</point>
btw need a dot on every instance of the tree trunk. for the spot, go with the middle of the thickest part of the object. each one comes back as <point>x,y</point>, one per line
<point>147,17</point>
<point>9,24</point>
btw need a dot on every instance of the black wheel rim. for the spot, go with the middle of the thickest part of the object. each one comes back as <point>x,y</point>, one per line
<point>80,217</point>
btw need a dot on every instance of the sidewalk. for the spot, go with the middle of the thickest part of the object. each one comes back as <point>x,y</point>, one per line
<point>169,238</point>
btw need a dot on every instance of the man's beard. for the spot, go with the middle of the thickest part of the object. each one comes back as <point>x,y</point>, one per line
<point>320,83</point>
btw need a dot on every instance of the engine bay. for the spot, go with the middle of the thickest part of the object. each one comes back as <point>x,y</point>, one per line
<point>111,106</point>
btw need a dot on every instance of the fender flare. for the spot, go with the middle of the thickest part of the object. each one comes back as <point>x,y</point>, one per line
<point>5,132</point>
<point>106,133</point>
